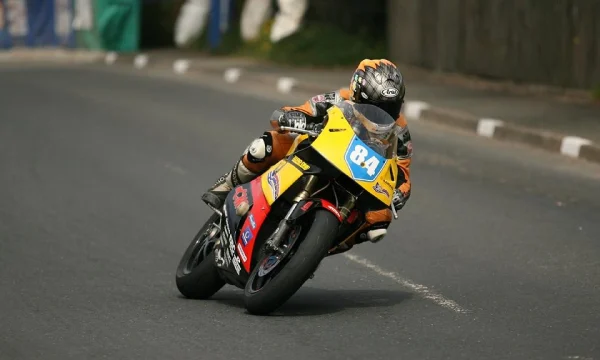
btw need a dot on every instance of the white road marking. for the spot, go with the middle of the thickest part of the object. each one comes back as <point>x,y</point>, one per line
<point>110,58</point>
<point>571,145</point>
<point>285,84</point>
<point>232,75</point>
<point>486,127</point>
<point>422,290</point>
<point>413,109</point>
<point>176,169</point>
<point>140,61</point>
<point>181,66</point>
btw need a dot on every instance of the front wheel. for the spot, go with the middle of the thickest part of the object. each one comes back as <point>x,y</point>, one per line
<point>272,283</point>
<point>197,276</point>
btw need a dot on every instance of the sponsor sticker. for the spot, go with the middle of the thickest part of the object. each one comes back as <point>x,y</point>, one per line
<point>246,236</point>
<point>304,166</point>
<point>242,253</point>
<point>390,92</point>
<point>240,197</point>
<point>273,181</point>
<point>378,188</point>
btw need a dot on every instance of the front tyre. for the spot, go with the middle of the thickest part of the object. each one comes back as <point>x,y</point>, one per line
<point>285,282</point>
<point>197,275</point>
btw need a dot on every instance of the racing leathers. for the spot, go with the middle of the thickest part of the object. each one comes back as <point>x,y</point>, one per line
<point>272,146</point>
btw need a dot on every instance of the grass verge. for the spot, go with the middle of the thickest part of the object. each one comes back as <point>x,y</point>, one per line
<point>316,45</point>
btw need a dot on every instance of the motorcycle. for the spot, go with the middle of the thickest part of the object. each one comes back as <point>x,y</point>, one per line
<point>272,233</point>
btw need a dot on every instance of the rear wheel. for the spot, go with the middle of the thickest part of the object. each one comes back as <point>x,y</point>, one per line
<point>276,278</point>
<point>197,276</point>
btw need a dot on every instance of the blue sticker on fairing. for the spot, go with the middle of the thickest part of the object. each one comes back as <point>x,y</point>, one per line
<point>364,163</point>
<point>246,236</point>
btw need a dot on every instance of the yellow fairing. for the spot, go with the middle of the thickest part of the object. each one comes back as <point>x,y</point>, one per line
<point>335,144</point>
<point>278,179</point>
<point>297,141</point>
<point>281,176</point>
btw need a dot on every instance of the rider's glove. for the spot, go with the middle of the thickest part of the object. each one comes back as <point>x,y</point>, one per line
<point>300,120</point>
<point>295,119</point>
<point>399,199</point>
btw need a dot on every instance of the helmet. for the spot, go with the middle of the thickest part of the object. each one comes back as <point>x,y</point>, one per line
<point>380,83</point>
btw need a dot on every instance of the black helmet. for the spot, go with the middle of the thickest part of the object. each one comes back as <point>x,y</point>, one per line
<point>378,82</point>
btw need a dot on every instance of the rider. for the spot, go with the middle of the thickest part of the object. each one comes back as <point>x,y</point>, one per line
<point>376,82</point>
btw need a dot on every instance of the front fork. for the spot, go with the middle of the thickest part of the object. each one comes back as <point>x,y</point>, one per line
<point>283,228</point>
<point>274,242</point>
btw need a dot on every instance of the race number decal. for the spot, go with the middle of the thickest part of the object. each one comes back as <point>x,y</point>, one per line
<point>364,163</point>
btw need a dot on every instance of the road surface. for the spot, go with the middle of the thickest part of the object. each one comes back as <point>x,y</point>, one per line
<point>495,256</point>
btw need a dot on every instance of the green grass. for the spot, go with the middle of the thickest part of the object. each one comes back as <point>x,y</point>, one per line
<point>319,43</point>
<point>315,45</point>
<point>596,92</point>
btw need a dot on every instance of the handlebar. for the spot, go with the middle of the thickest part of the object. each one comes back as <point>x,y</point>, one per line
<point>312,129</point>
<point>301,131</point>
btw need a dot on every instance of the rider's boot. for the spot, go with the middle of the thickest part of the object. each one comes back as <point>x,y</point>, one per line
<point>216,195</point>
<point>258,156</point>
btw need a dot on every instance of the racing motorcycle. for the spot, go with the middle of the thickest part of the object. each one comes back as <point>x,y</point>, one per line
<point>272,233</point>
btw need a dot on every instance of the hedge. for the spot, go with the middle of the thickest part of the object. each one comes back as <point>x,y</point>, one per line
<point>334,32</point>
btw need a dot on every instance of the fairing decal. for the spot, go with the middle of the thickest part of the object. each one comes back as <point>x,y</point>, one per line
<point>329,206</point>
<point>306,205</point>
<point>254,221</point>
<point>232,259</point>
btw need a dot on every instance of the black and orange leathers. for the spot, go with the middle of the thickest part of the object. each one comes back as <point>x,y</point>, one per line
<point>279,142</point>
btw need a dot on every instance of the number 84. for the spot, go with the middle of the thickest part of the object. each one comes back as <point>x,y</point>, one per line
<point>358,157</point>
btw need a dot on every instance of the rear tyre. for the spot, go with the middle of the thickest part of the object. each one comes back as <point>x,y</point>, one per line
<point>197,275</point>
<point>291,275</point>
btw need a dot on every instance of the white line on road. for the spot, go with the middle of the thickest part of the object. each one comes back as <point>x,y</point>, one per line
<point>422,290</point>
<point>175,168</point>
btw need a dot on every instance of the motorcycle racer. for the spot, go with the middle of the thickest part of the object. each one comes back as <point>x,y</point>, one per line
<point>376,82</point>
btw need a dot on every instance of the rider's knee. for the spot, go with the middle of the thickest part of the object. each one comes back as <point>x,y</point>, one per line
<point>257,151</point>
<point>267,150</point>
<point>272,145</point>
<point>257,156</point>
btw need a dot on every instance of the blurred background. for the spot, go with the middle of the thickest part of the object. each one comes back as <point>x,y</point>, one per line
<point>532,41</point>
<point>103,165</point>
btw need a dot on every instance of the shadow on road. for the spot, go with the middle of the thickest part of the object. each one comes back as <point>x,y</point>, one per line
<point>317,301</point>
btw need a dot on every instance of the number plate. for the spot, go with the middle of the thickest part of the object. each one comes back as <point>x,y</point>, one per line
<point>364,163</point>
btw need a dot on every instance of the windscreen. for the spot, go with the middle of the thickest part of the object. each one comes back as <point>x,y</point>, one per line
<point>372,125</point>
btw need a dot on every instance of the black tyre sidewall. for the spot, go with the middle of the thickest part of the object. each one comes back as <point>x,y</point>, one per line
<point>309,254</point>
<point>204,280</point>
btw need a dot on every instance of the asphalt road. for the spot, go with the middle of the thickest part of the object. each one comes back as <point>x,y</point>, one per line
<point>496,256</point>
